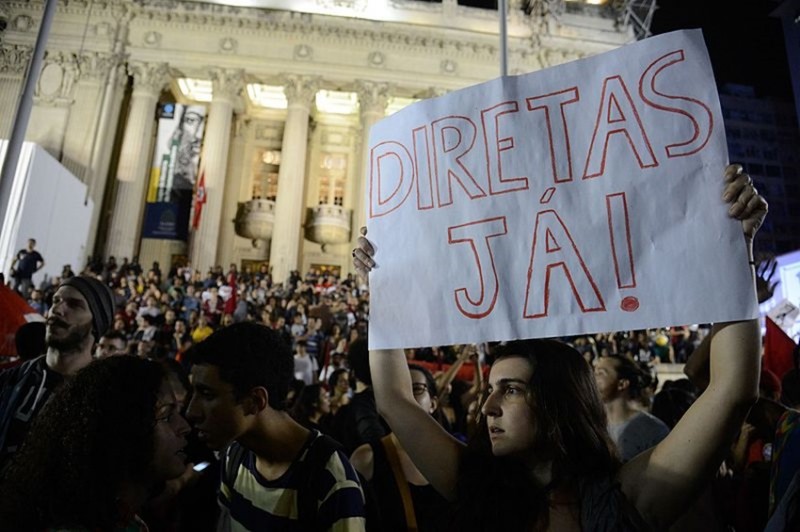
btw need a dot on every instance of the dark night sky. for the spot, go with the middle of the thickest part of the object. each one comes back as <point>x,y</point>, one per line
<point>745,44</point>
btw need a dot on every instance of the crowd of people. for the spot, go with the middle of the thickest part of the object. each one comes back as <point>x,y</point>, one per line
<point>294,425</point>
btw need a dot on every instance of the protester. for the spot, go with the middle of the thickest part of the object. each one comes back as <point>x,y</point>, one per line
<point>81,313</point>
<point>27,262</point>
<point>107,440</point>
<point>305,366</point>
<point>358,422</point>
<point>339,387</point>
<point>313,408</point>
<point>404,499</point>
<point>543,457</point>
<point>112,343</point>
<point>620,382</point>
<point>276,473</point>
<point>30,340</point>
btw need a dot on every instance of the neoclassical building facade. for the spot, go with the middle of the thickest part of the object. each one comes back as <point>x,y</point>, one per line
<point>288,96</point>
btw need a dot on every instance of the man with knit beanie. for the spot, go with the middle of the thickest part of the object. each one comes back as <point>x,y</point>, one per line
<point>82,311</point>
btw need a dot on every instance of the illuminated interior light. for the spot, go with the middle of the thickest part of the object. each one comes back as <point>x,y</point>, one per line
<point>337,102</point>
<point>396,103</point>
<point>269,96</point>
<point>199,90</point>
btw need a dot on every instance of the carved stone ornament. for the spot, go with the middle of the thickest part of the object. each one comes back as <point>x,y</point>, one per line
<point>376,59</point>
<point>300,89</point>
<point>152,39</point>
<point>227,84</point>
<point>372,97</point>
<point>149,78</point>
<point>57,79</point>
<point>94,66</point>
<point>303,52</point>
<point>23,23</point>
<point>448,66</point>
<point>14,58</point>
<point>353,5</point>
<point>228,45</point>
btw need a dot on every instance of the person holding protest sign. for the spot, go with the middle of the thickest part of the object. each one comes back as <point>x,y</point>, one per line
<point>542,458</point>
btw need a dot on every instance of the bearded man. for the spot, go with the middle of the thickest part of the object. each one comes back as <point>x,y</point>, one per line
<point>82,311</point>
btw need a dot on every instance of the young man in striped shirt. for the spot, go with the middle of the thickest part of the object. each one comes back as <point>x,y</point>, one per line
<point>276,474</point>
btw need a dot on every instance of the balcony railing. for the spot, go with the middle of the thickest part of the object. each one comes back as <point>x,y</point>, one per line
<point>328,224</point>
<point>255,219</point>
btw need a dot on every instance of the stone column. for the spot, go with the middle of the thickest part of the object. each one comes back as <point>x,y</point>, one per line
<point>233,194</point>
<point>287,231</point>
<point>227,84</point>
<point>100,161</point>
<point>134,161</point>
<point>14,59</point>
<point>372,99</point>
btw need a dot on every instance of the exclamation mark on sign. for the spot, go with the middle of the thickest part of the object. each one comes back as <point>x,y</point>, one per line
<point>619,229</point>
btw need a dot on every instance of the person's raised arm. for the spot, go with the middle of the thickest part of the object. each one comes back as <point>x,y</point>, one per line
<point>435,452</point>
<point>448,376</point>
<point>662,482</point>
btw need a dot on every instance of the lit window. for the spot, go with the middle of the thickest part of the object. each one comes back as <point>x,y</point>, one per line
<point>332,178</point>
<point>337,102</point>
<point>199,90</point>
<point>269,96</point>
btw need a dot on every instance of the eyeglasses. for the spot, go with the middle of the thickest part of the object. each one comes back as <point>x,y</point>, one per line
<point>419,388</point>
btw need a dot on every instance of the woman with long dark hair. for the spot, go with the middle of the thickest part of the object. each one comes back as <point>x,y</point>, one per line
<point>313,408</point>
<point>100,448</point>
<point>542,458</point>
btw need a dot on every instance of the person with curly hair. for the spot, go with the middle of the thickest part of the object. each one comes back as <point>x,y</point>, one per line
<point>108,440</point>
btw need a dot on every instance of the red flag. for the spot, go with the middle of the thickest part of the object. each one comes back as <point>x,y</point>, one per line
<point>14,312</point>
<point>199,198</point>
<point>778,349</point>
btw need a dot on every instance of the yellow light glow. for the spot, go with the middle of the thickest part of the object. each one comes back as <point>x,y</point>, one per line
<point>337,102</point>
<point>396,103</point>
<point>269,96</point>
<point>199,90</point>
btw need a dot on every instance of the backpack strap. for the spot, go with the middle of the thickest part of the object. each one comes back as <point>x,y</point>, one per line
<point>234,456</point>
<point>317,456</point>
<point>402,482</point>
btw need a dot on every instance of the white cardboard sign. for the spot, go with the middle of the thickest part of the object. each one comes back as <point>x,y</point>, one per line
<point>582,198</point>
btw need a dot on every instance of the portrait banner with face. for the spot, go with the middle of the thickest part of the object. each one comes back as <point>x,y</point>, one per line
<point>173,174</point>
<point>582,198</point>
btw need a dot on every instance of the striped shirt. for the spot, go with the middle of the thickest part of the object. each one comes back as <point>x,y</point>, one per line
<point>255,503</point>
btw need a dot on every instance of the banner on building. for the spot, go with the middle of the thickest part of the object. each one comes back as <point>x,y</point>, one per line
<point>582,198</point>
<point>174,171</point>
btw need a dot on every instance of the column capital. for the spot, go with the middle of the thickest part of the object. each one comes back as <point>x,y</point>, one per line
<point>148,78</point>
<point>373,97</point>
<point>14,58</point>
<point>300,90</point>
<point>95,66</point>
<point>227,84</point>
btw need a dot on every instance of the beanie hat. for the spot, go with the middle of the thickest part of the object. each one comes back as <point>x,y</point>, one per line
<point>99,298</point>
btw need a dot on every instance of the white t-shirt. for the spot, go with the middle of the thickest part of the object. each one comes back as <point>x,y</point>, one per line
<point>305,367</point>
